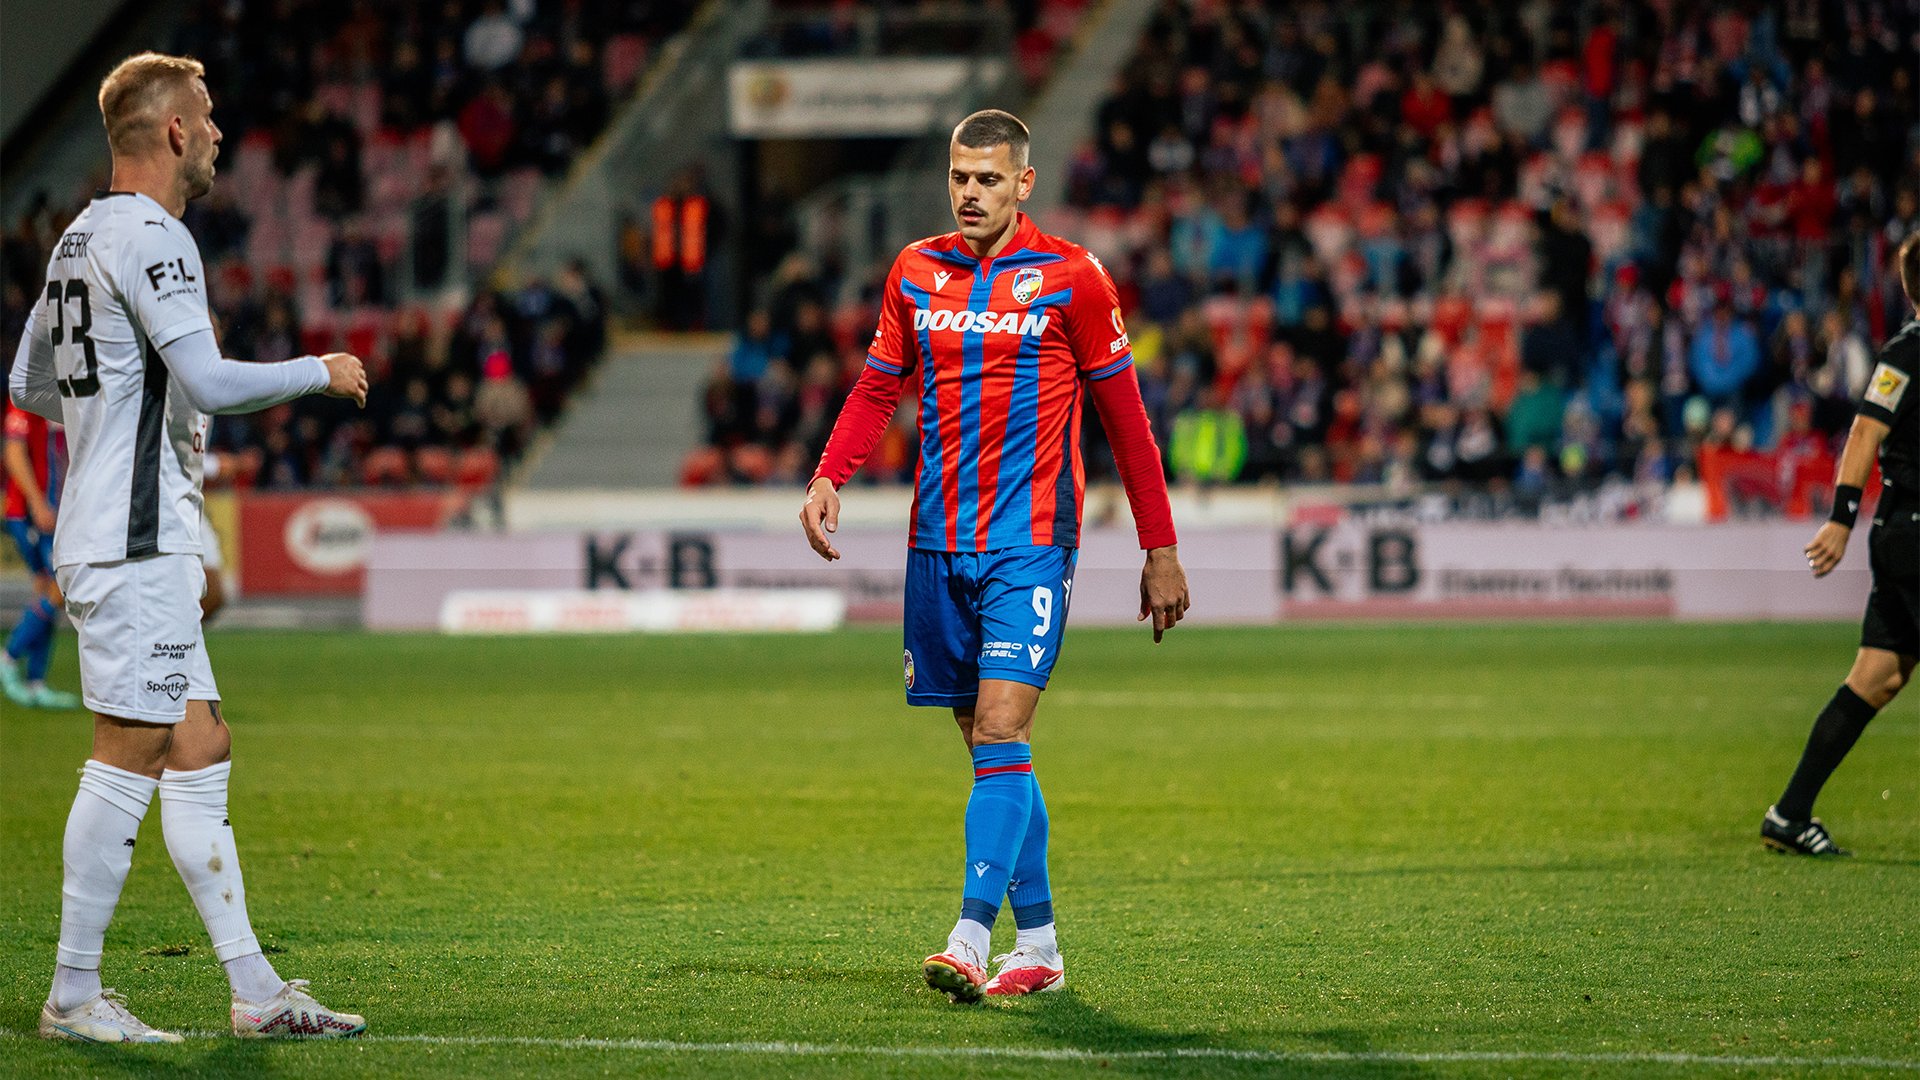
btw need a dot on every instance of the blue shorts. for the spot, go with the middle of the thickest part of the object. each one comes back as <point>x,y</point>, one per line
<point>983,615</point>
<point>36,547</point>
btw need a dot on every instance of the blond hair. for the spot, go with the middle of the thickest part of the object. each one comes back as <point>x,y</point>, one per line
<point>136,94</point>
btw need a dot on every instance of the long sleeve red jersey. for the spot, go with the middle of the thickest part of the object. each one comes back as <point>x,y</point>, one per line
<point>1005,349</point>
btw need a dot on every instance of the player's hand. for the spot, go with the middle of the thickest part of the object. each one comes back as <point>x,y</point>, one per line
<point>43,518</point>
<point>1827,547</point>
<point>820,515</point>
<point>1163,590</point>
<point>346,378</point>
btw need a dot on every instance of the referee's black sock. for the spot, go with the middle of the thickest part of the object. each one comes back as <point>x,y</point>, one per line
<point>1834,733</point>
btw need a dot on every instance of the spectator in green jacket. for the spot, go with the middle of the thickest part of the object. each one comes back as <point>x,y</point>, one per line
<point>1209,442</point>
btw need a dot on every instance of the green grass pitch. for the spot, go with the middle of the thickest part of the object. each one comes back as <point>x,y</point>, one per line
<point>1448,850</point>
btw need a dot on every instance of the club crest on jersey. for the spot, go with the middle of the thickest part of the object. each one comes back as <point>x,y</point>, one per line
<point>1026,285</point>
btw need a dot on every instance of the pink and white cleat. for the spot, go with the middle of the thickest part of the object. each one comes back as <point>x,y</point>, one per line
<point>293,1014</point>
<point>957,973</point>
<point>1026,970</point>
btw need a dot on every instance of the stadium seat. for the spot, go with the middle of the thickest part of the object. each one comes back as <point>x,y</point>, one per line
<point>621,62</point>
<point>702,465</point>
<point>477,467</point>
<point>434,465</point>
<point>385,466</point>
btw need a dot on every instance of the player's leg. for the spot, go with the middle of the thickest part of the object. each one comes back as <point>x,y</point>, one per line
<point>199,835</point>
<point>40,659</point>
<point>117,784</point>
<point>1035,964</point>
<point>30,646</point>
<point>1889,642</point>
<point>1877,676</point>
<point>1031,590</point>
<point>996,822</point>
<point>942,645</point>
<point>133,729</point>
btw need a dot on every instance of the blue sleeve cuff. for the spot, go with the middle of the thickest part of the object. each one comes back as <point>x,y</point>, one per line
<point>882,365</point>
<point>1112,369</point>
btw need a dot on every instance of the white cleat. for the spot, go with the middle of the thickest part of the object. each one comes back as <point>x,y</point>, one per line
<point>1026,970</point>
<point>293,1014</point>
<point>102,1018</point>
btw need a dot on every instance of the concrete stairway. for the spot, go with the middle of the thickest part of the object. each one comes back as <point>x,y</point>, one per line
<point>634,421</point>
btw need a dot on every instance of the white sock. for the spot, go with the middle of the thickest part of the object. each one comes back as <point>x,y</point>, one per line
<point>1041,938</point>
<point>253,978</point>
<point>96,854</point>
<point>971,934</point>
<point>73,986</point>
<point>193,815</point>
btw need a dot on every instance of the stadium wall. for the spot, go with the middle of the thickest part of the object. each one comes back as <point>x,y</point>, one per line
<point>1241,575</point>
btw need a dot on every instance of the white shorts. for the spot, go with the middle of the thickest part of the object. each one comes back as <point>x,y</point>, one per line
<point>141,653</point>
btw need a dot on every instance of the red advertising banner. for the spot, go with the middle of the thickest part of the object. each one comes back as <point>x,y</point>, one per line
<point>316,543</point>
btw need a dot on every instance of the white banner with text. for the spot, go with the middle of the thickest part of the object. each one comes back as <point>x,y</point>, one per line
<point>1343,567</point>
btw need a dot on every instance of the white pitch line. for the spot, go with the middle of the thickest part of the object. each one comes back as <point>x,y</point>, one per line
<point>1204,1053</point>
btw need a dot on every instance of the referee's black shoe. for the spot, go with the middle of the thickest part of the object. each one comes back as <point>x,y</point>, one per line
<point>1797,837</point>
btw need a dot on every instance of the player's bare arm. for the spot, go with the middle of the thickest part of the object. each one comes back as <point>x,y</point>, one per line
<point>1829,545</point>
<point>820,515</point>
<point>1163,590</point>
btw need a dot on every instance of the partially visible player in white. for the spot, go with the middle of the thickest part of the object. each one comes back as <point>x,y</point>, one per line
<point>120,348</point>
<point>211,558</point>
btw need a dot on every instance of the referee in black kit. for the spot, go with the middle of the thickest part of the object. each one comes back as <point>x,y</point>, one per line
<point>1890,633</point>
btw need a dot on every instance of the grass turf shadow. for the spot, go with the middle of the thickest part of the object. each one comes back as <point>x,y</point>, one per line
<point>1066,1020</point>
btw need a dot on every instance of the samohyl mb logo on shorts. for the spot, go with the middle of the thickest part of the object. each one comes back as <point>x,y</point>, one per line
<point>909,666</point>
<point>1026,285</point>
<point>173,686</point>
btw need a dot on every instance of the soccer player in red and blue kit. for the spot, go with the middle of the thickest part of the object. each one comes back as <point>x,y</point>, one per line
<point>1008,330</point>
<point>33,499</point>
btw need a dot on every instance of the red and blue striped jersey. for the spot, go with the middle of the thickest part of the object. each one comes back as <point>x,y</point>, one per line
<point>1001,347</point>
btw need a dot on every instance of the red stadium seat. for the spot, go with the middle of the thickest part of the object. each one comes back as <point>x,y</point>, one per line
<point>477,467</point>
<point>385,467</point>
<point>702,466</point>
<point>751,462</point>
<point>434,465</point>
<point>621,62</point>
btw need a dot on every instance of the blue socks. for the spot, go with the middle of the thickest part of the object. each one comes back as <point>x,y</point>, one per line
<point>999,814</point>
<point>1029,892</point>
<point>33,639</point>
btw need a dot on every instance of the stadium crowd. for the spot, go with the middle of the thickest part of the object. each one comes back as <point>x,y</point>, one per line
<point>1537,247</point>
<point>376,158</point>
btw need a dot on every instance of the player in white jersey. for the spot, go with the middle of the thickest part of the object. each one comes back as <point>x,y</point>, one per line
<point>120,348</point>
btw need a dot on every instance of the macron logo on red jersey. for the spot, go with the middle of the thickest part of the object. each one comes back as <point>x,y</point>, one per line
<point>981,322</point>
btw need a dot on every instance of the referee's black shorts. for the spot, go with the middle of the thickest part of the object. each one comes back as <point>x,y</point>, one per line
<point>1892,621</point>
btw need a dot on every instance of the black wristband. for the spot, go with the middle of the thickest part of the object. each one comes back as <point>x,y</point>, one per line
<point>1846,505</point>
